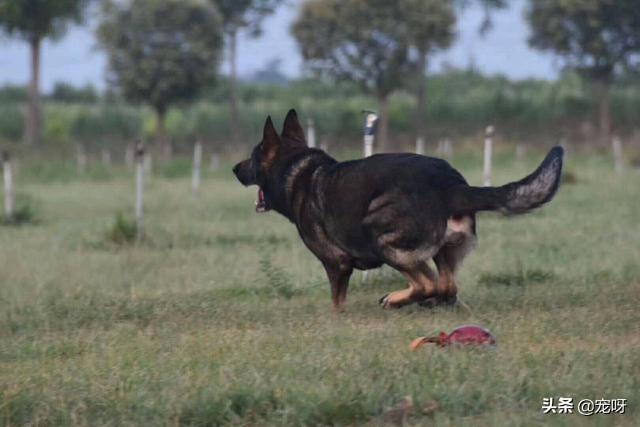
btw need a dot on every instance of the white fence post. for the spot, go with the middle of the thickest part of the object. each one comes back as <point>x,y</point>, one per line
<point>197,161</point>
<point>311,134</point>
<point>370,127</point>
<point>9,194</point>
<point>368,145</point>
<point>420,145</point>
<point>140,172</point>
<point>488,152</point>
<point>618,156</point>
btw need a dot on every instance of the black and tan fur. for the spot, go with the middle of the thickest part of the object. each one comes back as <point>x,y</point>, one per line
<point>396,209</point>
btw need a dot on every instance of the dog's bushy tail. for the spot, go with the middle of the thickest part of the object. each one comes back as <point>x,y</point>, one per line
<point>513,198</point>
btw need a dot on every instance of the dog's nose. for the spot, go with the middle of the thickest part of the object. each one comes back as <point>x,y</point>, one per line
<point>236,168</point>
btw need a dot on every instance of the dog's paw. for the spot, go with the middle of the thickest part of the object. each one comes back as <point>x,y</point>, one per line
<point>395,300</point>
<point>387,302</point>
<point>384,301</point>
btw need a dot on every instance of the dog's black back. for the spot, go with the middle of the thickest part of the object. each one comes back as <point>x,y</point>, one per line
<point>389,198</point>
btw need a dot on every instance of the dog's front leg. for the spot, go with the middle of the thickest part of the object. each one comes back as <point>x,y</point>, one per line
<point>339,275</point>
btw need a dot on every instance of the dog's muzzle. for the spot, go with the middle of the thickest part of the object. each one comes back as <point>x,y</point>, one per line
<point>244,174</point>
<point>242,171</point>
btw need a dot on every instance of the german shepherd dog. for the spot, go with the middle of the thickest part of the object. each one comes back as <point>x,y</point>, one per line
<point>396,209</point>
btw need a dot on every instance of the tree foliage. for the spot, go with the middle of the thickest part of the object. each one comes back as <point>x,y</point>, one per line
<point>360,40</point>
<point>161,51</point>
<point>34,20</point>
<point>240,14</point>
<point>37,19</point>
<point>594,37</point>
<point>430,24</point>
<point>597,38</point>
<point>488,7</point>
<point>376,43</point>
<point>245,13</point>
<point>370,41</point>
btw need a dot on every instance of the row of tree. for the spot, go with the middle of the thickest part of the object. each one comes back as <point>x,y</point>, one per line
<point>163,52</point>
<point>160,51</point>
<point>379,43</point>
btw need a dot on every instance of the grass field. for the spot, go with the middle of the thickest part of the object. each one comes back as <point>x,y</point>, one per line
<point>223,317</point>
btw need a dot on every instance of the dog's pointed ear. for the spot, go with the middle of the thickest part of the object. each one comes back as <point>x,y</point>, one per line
<point>270,143</point>
<point>292,130</point>
<point>269,132</point>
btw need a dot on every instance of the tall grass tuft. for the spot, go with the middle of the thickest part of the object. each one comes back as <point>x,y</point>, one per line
<point>279,281</point>
<point>124,231</point>
<point>25,212</point>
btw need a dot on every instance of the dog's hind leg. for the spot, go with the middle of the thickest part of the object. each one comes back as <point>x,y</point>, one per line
<point>422,285</point>
<point>460,241</point>
<point>447,287</point>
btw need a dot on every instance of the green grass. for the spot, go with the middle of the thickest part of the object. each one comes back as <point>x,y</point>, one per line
<point>222,317</point>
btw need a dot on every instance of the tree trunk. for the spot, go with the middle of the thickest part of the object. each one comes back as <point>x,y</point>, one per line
<point>234,123</point>
<point>421,110</point>
<point>604,110</point>
<point>162,142</point>
<point>382,138</point>
<point>33,119</point>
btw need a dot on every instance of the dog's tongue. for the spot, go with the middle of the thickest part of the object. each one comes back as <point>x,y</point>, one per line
<point>261,206</point>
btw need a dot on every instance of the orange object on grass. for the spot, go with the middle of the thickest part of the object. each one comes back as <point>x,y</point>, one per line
<point>462,335</point>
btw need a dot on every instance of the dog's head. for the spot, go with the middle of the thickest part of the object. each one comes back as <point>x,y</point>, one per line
<point>257,169</point>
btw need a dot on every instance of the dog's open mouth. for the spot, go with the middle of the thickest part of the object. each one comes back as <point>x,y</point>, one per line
<point>261,203</point>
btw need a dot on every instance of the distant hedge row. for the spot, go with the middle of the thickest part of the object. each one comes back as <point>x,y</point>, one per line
<point>459,103</point>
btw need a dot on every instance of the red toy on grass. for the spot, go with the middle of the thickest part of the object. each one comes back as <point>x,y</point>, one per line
<point>462,335</point>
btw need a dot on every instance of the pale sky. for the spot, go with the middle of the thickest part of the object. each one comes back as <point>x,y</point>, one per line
<point>504,50</point>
